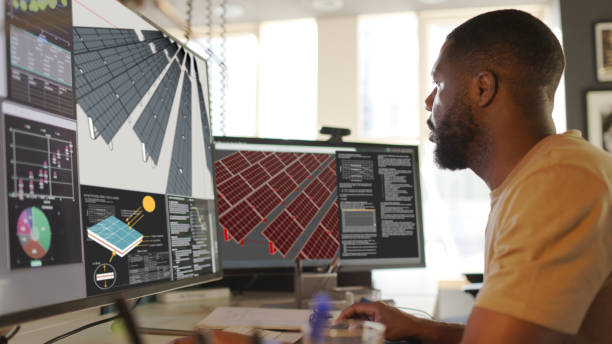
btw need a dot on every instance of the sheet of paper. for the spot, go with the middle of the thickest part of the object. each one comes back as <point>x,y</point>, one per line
<point>283,337</point>
<point>263,318</point>
<point>289,337</point>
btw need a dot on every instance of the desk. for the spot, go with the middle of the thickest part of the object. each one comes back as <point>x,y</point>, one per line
<point>181,316</point>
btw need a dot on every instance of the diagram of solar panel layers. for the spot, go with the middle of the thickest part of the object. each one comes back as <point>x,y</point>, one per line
<point>192,237</point>
<point>42,191</point>
<point>40,54</point>
<point>117,236</point>
<point>277,202</point>
<point>126,240</point>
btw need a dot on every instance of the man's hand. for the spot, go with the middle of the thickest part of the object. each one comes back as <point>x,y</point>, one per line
<point>399,324</point>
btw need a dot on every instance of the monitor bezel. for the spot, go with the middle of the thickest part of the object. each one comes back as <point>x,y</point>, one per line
<point>348,265</point>
<point>102,300</point>
<point>153,288</point>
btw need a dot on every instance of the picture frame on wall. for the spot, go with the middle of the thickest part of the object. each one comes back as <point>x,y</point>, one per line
<point>603,51</point>
<point>599,118</point>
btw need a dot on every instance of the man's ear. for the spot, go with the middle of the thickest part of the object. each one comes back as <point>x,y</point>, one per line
<point>484,87</point>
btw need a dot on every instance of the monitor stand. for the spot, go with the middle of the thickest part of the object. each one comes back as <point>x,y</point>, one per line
<point>308,284</point>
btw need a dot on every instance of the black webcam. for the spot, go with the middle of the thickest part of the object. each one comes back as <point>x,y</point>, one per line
<point>336,133</point>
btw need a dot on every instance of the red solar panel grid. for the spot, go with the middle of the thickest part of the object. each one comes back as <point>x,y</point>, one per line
<point>235,162</point>
<point>240,220</point>
<point>253,156</point>
<point>321,245</point>
<point>286,158</point>
<point>309,162</point>
<point>331,221</point>
<point>222,174</point>
<point>283,185</point>
<point>321,157</point>
<point>272,164</point>
<point>223,205</point>
<point>283,232</point>
<point>234,189</point>
<point>328,177</point>
<point>264,200</point>
<point>303,209</point>
<point>255,175</point>
<point>297,172</point>
<point>332,165</point>
<point>317,192</point>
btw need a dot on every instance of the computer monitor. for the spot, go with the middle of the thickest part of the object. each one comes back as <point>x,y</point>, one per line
<point>282,200</point>
<point>106,151</point>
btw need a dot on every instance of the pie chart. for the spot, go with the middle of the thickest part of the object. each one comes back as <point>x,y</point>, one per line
<point>34,232</point>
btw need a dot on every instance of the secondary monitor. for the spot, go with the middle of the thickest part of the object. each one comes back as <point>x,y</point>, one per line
<point>108,180</point>
<point>282,200</point>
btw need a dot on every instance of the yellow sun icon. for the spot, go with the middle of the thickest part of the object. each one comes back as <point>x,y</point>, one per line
<point>148,203</point>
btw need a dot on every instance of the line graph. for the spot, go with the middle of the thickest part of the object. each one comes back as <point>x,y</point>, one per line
<point>42,166</point>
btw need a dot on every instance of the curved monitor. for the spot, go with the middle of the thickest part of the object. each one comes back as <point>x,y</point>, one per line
<point>108,184</point>
<point>282,200</point>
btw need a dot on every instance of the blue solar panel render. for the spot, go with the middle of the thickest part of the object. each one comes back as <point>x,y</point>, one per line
<point>179,179</point>
<point>171,49</point>
<point>181,55</point>
<point>204,117</point>
<point>86,38</point>
<point>112,78</point>
<point>150,35</point>
<point>115,235</point>
<point>98,67</point>
<point>152,123</point>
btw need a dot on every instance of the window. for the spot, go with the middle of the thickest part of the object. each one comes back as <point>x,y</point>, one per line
<point>389,73</point>
<point>288,80</point>
<point>271,82</point>
<point>240,103</point>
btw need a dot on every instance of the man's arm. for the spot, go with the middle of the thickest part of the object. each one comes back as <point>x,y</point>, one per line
<point>484,326</point>
<point>487,326</point>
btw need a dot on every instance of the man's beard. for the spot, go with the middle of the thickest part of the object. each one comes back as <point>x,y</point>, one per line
<point>453,136</point>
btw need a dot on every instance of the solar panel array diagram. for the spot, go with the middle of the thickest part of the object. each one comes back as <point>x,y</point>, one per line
<point>118,69</point>
<point>285,196</point>
<point>179,182</point>
<point>151,125</point>
<point>114,70</point>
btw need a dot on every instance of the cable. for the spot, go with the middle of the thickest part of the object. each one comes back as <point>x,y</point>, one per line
<point>188,28</point>
<point>208,10</point>
<point>417,310</point>
<point>84,327</point>
<point>223,68</point>
<point>5,339</point>
<point>128,321</point>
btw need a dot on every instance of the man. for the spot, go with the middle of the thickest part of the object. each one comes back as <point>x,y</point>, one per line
<point>548,254</point>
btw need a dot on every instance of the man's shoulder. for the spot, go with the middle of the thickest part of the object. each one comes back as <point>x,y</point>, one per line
<point>567,152</point>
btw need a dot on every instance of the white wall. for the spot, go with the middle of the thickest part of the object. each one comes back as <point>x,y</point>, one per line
<point>338,100</point>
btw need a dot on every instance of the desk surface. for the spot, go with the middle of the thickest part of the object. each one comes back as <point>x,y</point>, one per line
<point>180,316</point>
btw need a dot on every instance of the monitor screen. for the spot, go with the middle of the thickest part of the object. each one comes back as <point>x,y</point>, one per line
<point>106,151</point>
<point>284,200</point>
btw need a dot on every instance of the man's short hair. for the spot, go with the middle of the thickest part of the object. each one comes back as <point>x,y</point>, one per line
<point>514,41</point>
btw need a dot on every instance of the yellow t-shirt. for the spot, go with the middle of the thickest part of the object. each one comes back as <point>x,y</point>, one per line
<point>548,254</point>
